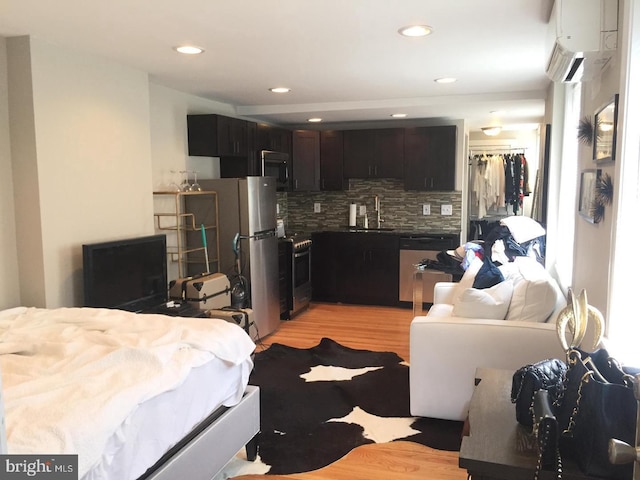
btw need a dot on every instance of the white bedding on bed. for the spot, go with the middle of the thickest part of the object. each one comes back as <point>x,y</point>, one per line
<point>72,376</point>
<point>161,422</point>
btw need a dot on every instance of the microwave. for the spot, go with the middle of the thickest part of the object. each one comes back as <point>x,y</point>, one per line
<point>277,165</point>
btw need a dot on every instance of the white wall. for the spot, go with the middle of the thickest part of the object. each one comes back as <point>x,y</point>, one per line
<point>169,109</point>
<point>83,167</point>
<point>90,142</point>
<point>593,247</point>
<point>28,232</point>
<point>9,287</point>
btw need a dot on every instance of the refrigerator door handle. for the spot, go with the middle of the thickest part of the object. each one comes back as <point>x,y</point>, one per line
<point>263,234</point>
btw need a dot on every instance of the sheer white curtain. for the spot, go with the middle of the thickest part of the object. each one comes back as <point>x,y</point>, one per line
<point>567,192</point>
<point>624,291</point>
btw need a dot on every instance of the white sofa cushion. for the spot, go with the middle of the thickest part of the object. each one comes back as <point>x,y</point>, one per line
<point>441,310</point>
<point>534,294</point>
<point>491,303</point>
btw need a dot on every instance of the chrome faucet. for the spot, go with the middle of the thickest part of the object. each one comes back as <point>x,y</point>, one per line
<point>377,209</point>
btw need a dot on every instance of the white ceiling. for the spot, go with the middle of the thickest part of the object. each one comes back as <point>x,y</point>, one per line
<point>343,59</point>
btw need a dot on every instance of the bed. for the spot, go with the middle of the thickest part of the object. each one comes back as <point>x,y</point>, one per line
<point>135,396</point>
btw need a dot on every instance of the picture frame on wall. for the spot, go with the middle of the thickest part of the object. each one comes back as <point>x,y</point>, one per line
<point>586,205</point>
<point>606,129</point>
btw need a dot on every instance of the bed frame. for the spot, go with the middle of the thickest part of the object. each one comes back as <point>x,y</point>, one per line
<point>210,446</point>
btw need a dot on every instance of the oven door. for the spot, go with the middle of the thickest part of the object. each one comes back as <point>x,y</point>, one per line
<point>301,276</point>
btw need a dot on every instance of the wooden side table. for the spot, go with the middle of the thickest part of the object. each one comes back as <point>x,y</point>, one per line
<point>491,452</point>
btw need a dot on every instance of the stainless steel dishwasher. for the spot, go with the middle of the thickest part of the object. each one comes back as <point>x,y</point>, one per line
<point>414,249</point>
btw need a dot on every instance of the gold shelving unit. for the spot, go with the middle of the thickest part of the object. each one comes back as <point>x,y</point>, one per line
<point>186,217</point>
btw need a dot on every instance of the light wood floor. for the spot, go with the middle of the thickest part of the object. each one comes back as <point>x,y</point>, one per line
<point>372,328</point>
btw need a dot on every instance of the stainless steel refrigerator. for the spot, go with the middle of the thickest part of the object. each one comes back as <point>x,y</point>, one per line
<point>247,207</point>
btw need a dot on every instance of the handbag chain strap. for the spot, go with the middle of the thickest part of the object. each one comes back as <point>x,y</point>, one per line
<point>543,442</point>
<point>574,413</point>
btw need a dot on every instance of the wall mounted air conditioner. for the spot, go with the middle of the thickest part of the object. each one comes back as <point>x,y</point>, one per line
<point>583,36</point>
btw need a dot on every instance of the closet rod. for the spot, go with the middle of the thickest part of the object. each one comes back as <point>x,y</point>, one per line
<point>496,148</point>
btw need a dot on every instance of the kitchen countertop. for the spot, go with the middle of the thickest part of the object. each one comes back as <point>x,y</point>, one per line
<point>383,231</point>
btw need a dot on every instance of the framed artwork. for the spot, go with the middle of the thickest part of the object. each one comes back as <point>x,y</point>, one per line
<point>606,126</point>
<point>586,204</point>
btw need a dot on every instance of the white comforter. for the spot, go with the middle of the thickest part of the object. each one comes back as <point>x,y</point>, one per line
<point>71,376</point>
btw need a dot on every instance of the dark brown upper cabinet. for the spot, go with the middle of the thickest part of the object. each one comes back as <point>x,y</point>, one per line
<point>430,158</point>
<point>317,160</point>
<point>272,138</point>
<point>331,160</point>
<point>212,135</point>
<point>306,160</point>
<point>374,153</point>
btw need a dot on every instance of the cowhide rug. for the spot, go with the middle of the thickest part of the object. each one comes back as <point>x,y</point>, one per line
<point>317,404</point>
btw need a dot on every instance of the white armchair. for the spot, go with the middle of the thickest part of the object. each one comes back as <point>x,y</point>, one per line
<point>445,351</point>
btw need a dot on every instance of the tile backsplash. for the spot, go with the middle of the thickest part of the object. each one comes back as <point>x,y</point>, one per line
<point>400,209</point>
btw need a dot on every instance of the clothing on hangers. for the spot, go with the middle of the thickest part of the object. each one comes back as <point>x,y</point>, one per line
<point>517,181</point>
<point>487,183</point>
<point>499,179</point>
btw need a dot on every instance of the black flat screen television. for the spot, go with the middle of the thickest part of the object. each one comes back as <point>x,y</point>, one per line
<point>128,274</point>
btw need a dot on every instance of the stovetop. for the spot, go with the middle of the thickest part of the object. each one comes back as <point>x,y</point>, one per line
<point>299,240</point>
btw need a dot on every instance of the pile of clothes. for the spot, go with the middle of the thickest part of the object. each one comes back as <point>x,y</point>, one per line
<point>514,236</point>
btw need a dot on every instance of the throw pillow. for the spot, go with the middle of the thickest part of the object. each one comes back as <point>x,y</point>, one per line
<point>491,303</point>
<point>488,275</point>
<point>534,294</point>
<point>523,228</point>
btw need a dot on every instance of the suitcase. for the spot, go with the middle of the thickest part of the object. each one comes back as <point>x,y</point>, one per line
<point>206,292</point>
<point>242,317</point>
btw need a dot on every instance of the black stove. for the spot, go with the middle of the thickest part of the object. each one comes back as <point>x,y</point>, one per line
<point>295,274</point>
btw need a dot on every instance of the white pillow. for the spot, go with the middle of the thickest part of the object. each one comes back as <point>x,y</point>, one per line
<point>523,228</point>
<point>467,278</point>
<point>534,294</point>
<point>490,303</point>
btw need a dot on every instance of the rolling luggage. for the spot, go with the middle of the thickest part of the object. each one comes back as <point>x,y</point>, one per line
<point>206,292</point>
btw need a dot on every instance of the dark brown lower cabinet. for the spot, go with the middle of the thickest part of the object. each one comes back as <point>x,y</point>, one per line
<point>355,267</point>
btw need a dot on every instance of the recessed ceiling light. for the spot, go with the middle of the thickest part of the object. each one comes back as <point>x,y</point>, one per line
<point>445,80</point>
<point>491,131</point>
<point>314,120</point>
<point>415,30</point>
<point>496,112</point>
<point>398,115</point>
<point>280,90</point>
<point>189,49</point>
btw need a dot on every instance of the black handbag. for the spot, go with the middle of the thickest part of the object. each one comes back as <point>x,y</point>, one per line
<point>545,375</point>
<point>598,404</point>
<point>547,434</point>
